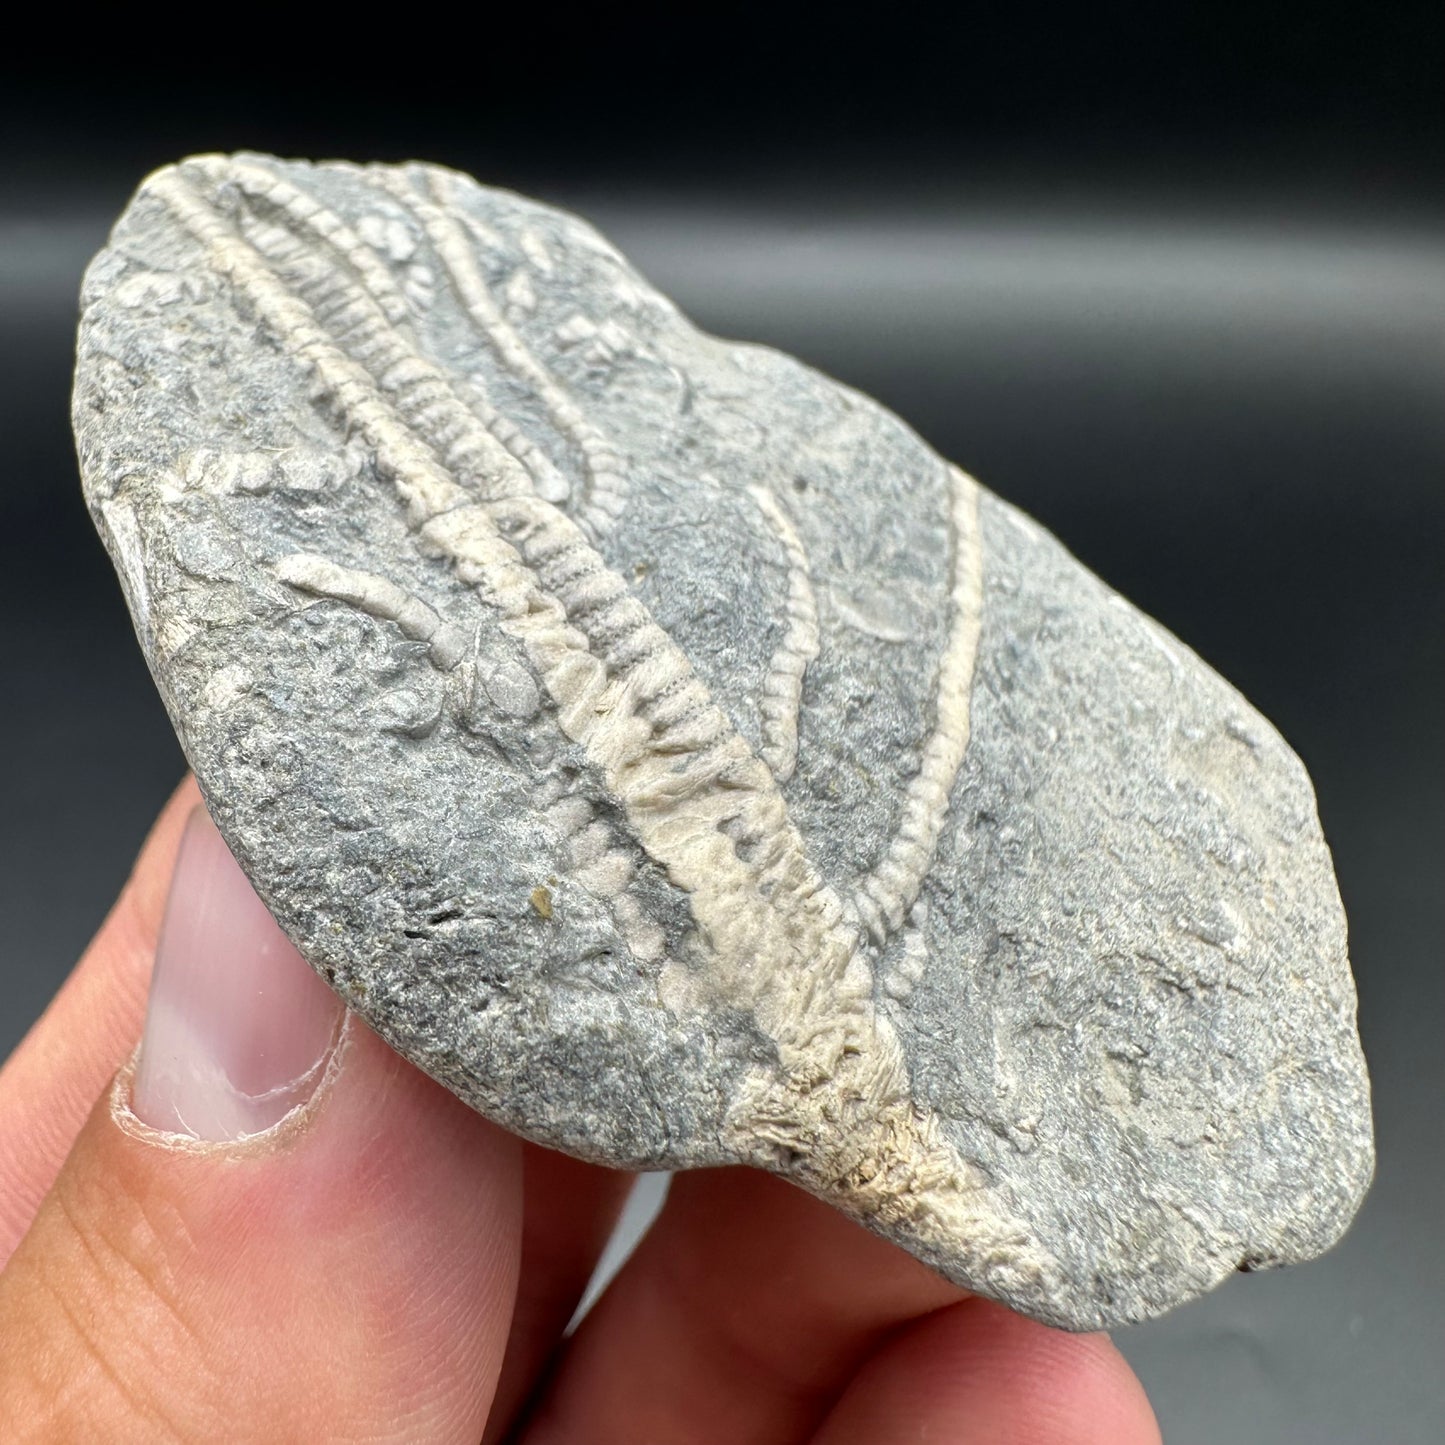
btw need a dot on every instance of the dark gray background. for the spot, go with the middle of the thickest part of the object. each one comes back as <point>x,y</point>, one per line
<point>1175,284</point>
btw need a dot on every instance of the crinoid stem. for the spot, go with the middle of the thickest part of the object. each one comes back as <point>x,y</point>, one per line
<point>883,896</point>
<point>380,598</point>
<point>606,495</point>
<point>705,808</point>
<point>783,688</point>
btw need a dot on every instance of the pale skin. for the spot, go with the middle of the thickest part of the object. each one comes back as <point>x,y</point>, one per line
<point>387,1265</point>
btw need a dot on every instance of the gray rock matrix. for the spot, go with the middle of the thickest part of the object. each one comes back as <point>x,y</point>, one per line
<point>663,748</point>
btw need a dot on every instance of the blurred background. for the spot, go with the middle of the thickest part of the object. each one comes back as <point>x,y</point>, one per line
<point>1170,278</point>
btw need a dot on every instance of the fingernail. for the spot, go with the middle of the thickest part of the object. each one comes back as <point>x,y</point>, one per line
<point>238,1029</point>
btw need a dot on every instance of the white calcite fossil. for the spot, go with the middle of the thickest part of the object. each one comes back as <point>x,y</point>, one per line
<point>667,751</point>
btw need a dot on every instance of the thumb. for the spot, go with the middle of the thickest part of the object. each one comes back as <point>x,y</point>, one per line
<point>272,1227</point>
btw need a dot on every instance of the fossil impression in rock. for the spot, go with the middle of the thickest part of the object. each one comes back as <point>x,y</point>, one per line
<point>662,747</point>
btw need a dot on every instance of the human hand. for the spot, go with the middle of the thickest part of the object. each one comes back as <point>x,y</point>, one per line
<point>273,1228</point>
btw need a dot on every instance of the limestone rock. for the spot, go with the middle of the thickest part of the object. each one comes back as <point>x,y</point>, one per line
<point>663,748</point>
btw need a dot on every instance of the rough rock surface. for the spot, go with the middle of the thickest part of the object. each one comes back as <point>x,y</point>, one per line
<point>662,747</point>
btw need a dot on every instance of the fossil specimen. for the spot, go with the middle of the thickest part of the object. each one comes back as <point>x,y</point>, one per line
<point>663,748</point>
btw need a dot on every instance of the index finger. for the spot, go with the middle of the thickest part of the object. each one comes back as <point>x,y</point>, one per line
<point>755,1312</point>
<point>742,1315</point>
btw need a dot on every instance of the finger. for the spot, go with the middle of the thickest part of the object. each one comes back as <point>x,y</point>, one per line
<point>742,1315</point>
<point>49,1083</point>
<point>569,1211</point>
<point>272,1228</point>
<point>977,1374</point>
